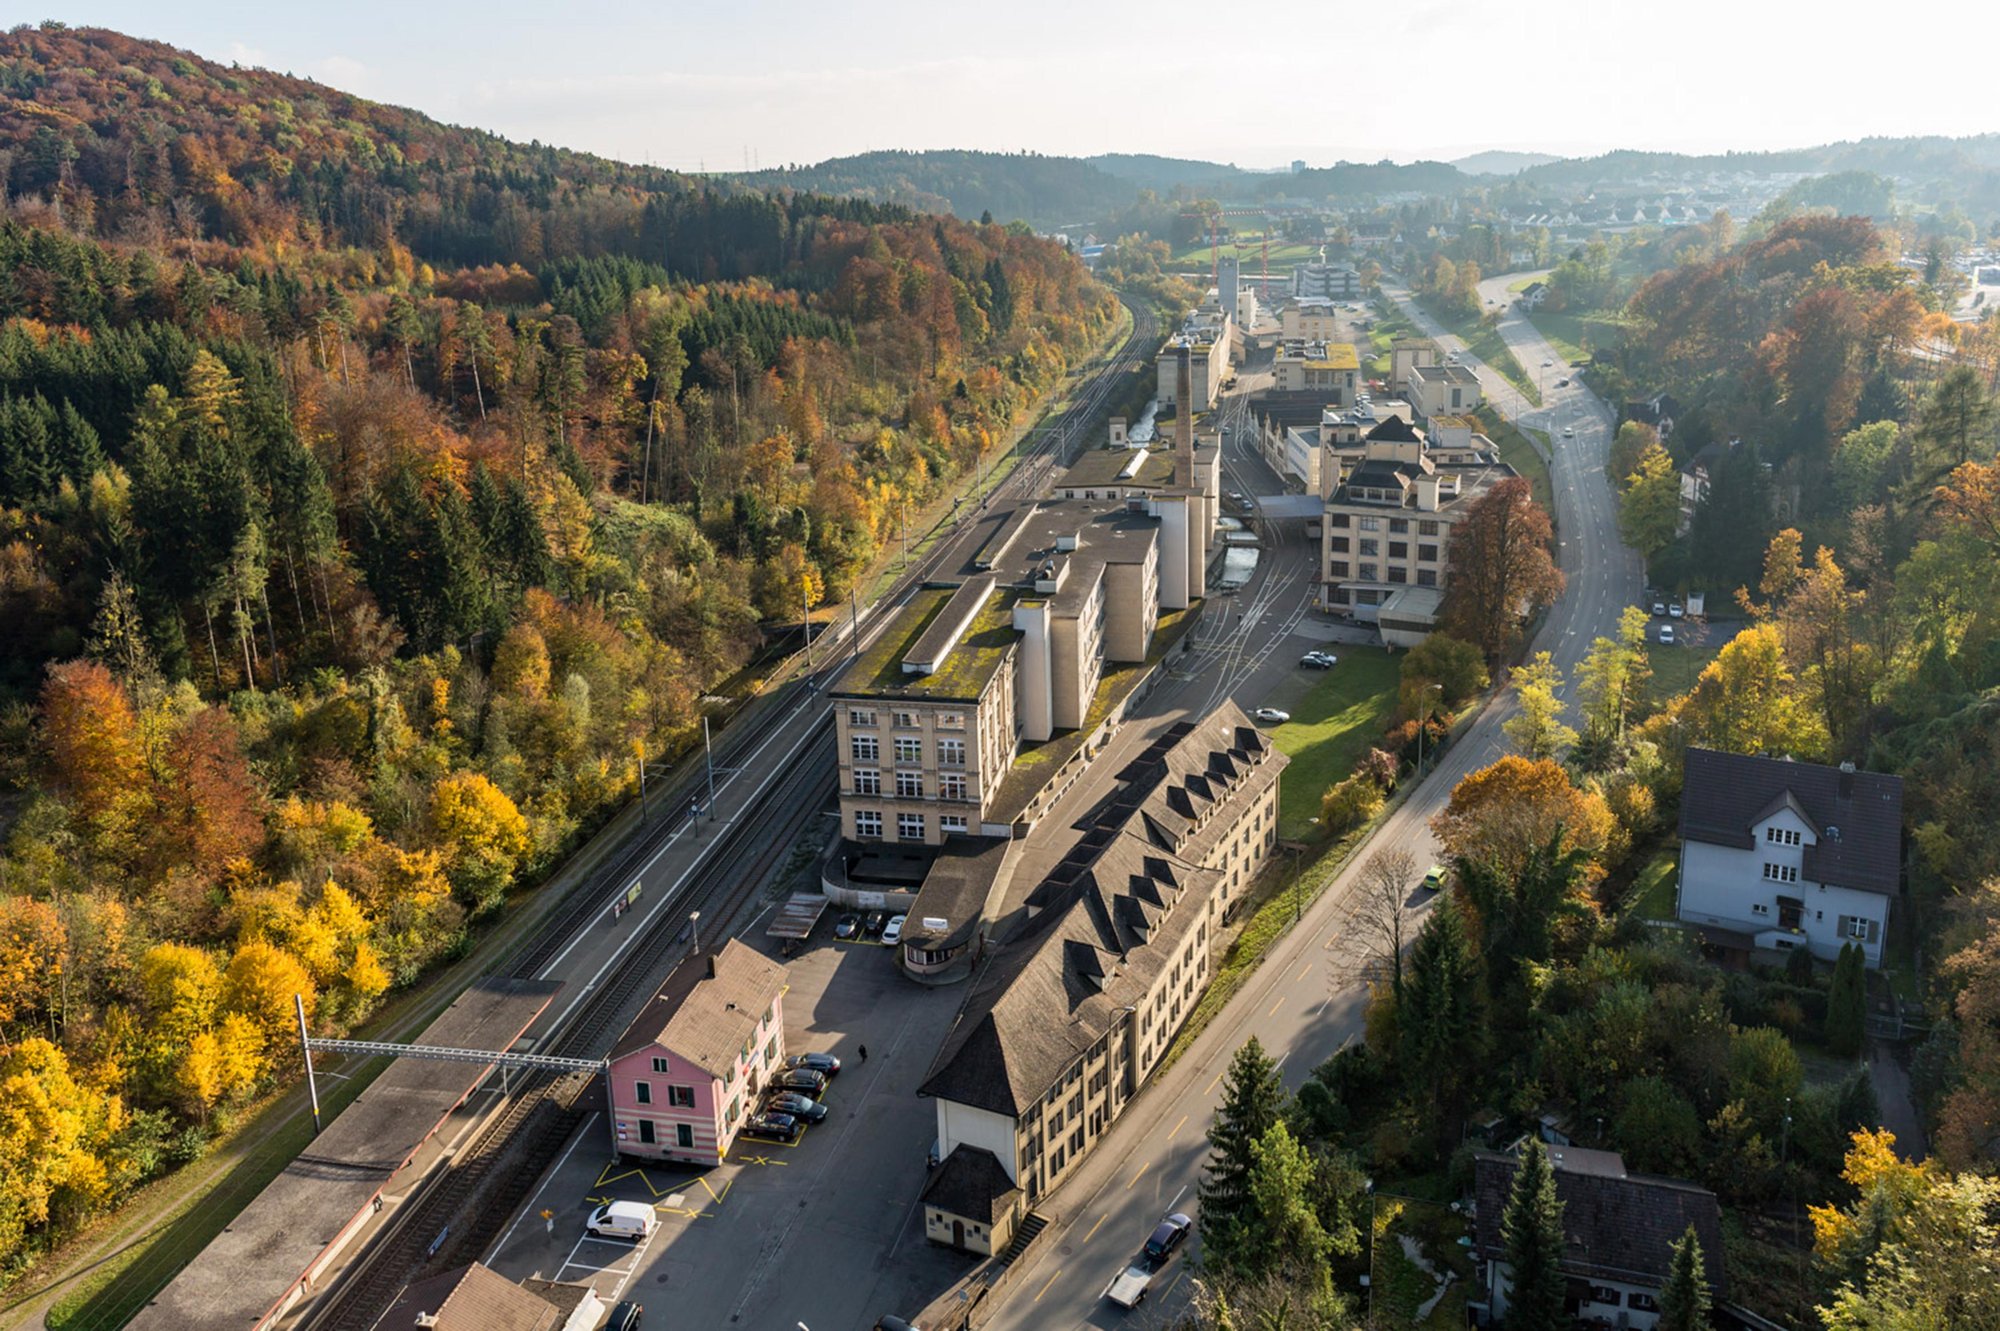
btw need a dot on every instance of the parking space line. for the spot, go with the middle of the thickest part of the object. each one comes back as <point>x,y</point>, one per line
<point>554,1174</point>
<point>1045,1288</point>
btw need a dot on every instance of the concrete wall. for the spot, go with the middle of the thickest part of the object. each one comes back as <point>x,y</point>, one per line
<point>964,1125</point>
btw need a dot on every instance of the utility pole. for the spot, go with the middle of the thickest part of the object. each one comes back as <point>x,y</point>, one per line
<point>806,618</point>
<point>305,1051</point>
<point>708,757</point>
<point>854,621</point>
<point>640,745</point>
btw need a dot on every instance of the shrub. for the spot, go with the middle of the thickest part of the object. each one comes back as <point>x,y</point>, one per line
<point>1349,803</point>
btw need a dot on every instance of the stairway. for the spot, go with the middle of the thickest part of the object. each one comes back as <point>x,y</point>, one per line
<point>1033,1224</point>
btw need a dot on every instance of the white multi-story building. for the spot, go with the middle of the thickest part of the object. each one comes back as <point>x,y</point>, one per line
<point>1778,854</point>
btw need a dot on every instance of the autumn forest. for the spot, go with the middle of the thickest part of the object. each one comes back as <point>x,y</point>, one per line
<point>372,494</point>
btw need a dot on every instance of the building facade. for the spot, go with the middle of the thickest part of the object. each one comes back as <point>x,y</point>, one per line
<point>1332,369</point>
<point>1777,854</point>
<point>1407,354</point>
<point>1071,1017</point>
<point>1327,281</point>
<point>686,1072</point>
<point>1444,390</point>
<point>1389,519</point>
<point>1311,319</point>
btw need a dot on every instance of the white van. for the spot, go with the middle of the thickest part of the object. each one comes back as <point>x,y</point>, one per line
<point>623,1220</point>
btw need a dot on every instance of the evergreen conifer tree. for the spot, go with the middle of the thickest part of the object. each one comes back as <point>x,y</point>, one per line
<point>1847,1001</point>
<point>1531,1228</point>
<point>1684,1301</point>
<point>1253,1099</point>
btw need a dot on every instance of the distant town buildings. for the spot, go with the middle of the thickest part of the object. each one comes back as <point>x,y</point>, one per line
<point>1327,281</point>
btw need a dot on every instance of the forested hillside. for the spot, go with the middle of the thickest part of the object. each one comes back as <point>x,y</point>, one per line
<point>1849,430</point>
<point>372,494</point>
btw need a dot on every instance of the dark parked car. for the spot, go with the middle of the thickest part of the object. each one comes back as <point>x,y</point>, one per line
<point>777,1127</point>
<point>824,1064</point>
<point>847,926</point>
<point>1170,1234</point>
<point>876,920</point>
<point>798,1106</point>
<point>800,1079</point>
<point>625,1317</point>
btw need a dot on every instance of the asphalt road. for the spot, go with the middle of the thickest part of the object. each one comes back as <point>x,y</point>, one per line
<point>1306,1001</point>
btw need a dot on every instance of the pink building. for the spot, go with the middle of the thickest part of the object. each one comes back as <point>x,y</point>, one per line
<point>685,1073</point>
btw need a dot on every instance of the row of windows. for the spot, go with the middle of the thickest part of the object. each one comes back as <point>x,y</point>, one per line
<point>909,749</point>
<point>1339,568</point>
<point>683,1134</point>
<point>909,826</point>
<point>1781,836</point>
<point>910,785</point>
<point>1781,873</point>
<point>866,716</point>
<point>1371,547</point>
<point>1425,526</point>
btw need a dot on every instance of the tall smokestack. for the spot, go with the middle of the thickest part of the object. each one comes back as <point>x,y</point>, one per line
<point>1184,421</point>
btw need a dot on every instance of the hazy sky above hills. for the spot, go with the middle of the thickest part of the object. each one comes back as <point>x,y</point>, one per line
<point>751,82</point>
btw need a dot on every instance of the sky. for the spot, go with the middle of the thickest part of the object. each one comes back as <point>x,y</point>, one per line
<point>729,84</point>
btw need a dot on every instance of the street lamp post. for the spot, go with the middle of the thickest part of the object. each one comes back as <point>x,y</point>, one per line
<point>694,930</point>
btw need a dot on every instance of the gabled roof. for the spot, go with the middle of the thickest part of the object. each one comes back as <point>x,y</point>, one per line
<point>1616,1225</point>
<point>970,1184</point>
<point>474,1298</point>
<point>708,1008</point>
<point>1395,430</point>
<point>1856,817</point>
<point>1106,919</point>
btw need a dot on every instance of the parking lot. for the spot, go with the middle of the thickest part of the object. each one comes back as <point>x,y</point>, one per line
<point>823,1229</point>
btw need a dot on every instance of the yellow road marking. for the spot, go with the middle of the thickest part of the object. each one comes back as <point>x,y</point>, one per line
<point>1274,1008</point>
<point>1302,972</point>
<point>1045,1288</point>
<point>1135,1178</point>
<point>1176,1281</point>
<point>1093,1229</point>
<point>1177,1126</point>
<point>1211,1085</point>
<point>718,1196</point>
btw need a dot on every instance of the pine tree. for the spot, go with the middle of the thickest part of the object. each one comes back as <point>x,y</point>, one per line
<point>1684,1301</point>
<point>1531,1228</point>
<point>1441,1023</point>
<point>1847,1001</point>
<point>1253,1100</point>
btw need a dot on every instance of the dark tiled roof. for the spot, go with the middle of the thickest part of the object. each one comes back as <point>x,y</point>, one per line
<point>1857,816</point>
<point>1106,918</point>
<point>1615,1224</point>
<point>476,1298</point>
<point>971,1184</point>
<point>1395,429</point>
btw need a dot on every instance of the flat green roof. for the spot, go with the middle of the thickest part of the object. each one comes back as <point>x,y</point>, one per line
<point>967,668</point>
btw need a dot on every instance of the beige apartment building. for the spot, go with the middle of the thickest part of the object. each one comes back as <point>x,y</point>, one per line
<point>1072,1016</point>
<point>1389,519</point>
<point>924,720</point>
<point>1311,319</point>
<point>1407,354</point>
<point>1208,346</point>
<point>1332,369</point>
<point>1444,390</point>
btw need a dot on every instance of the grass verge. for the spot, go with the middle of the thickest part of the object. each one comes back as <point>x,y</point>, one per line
<point>1652,894</point>
<point>1329,731</point>
<point>1519,452</point>
<point>1675,669</point>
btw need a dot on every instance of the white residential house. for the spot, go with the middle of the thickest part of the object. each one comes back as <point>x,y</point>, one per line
<point>1780,854</point>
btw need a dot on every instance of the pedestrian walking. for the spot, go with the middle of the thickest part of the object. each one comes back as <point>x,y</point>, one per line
<point>864,1053</point>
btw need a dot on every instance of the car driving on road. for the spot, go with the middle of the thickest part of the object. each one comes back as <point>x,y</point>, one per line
<point>1272,715</point>
<point>1167,1235</point>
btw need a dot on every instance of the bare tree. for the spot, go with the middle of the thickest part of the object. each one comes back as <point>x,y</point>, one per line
<point>1380,917</point>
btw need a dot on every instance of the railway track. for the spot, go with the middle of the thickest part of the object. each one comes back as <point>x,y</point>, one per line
<point>455,1218</point>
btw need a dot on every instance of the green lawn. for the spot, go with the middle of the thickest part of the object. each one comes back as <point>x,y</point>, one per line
<point>1331,727</point>
<point>1676,668</point>
<point>1519,452</point>
<point>1652,894</point>
<point>1564,332</point>
<point>1400,1287</point>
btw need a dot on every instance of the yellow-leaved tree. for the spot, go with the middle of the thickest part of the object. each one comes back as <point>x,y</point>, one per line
<point>482,836</point>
